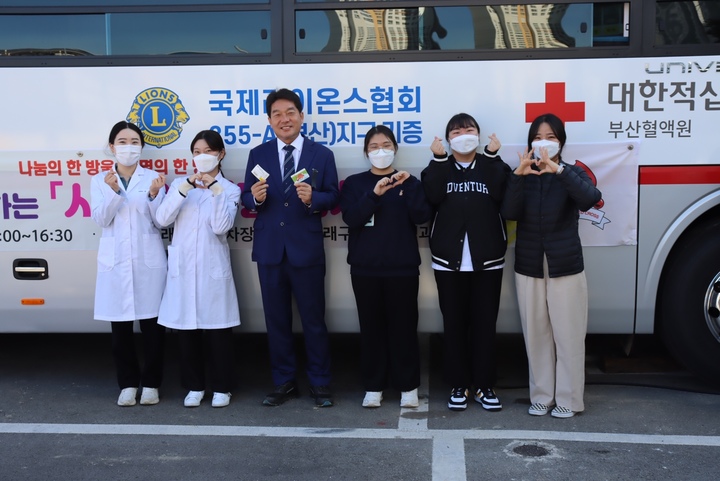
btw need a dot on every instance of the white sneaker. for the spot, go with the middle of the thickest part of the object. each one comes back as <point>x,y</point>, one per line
<point>221,399</point>
<point>127,396</point>
<point>192,400</point>
<point>409,399</point>
<point>149,396</point>
<point>372,399</point>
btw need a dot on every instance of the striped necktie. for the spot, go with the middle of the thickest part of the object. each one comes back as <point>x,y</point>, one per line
<point>288,168</point>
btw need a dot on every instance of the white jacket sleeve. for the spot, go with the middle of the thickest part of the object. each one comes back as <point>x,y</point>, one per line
<point>168,210</point>
<point>105,202</point>
<point>154,204</point>
<point>225,206</point>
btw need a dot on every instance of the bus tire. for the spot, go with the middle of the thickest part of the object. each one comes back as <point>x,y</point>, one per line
<point>689,320</point>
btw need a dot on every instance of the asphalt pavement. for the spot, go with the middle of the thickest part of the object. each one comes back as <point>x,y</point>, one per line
<point>645,418</point>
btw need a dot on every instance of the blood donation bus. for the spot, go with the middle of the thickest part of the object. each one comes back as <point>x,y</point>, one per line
<point>636,82</point>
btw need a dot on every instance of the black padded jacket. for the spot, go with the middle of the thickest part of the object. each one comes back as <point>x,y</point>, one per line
<point>546,208</point>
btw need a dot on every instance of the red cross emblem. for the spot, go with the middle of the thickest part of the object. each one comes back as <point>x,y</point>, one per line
<point>555,103</point>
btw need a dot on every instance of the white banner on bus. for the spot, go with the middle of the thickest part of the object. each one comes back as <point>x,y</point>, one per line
<point>613,167</point>
<point>50,208</point>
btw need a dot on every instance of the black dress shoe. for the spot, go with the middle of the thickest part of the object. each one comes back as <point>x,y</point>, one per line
<point>322,395</point>
<point>282,393</point>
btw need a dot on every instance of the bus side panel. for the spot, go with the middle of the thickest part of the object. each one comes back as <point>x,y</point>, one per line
<point>611,288</point>
<point>666,211</point>
<point>67,293</point>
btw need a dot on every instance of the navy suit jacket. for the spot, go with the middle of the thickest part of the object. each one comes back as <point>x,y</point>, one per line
<point>284,224</point>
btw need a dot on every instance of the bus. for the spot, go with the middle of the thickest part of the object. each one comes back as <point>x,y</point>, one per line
<point>636,82</point>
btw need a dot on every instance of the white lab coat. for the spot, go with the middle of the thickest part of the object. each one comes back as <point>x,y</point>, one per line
<point>200,291</point>
<point>131,260</point>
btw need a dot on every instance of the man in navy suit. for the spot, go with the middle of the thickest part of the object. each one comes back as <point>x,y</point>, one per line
<point>288,243</point>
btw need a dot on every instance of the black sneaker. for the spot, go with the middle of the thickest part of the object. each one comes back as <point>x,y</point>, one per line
<point>322,395</point>
<point>458,399</point>
<point>282,393</point>
<point>488,399</point>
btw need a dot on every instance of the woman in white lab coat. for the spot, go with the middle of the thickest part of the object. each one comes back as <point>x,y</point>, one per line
<point>131,263</point>
<point>200,300</point>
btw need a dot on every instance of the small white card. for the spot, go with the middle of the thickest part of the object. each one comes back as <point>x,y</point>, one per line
<point>300,176</point>
<point>259,173</point>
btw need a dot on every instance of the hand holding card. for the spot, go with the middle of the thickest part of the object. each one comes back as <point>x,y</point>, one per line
<point>260,173</point>
<point>300,176</point>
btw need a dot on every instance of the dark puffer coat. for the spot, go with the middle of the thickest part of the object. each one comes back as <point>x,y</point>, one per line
<point>547,210</point>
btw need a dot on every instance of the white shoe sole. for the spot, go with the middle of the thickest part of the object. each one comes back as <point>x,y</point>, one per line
<point>127,397</point>
<point>372,400</point>
<point>149,397</point>
<point>409,399</point>
<point>220,402</point>
<point>538,413</point>
<point>193,401</point>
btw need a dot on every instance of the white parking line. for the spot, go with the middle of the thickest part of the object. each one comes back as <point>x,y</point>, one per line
<point>448,445</point>
<point>448,457</point>
<point>350,433</point>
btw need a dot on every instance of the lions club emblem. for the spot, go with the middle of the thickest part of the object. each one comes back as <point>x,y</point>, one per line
<point>159,114</point>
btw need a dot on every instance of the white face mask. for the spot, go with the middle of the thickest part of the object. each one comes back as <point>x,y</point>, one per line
<point>127,155</point>
<point>381,158</point>
<point>206,162</point>
<point>464,144</point>
<point>552,148</point>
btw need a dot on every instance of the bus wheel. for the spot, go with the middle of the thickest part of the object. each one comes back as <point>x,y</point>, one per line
<point>689,303</point>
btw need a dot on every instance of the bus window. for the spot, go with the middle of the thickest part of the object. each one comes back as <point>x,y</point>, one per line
<point>189,32</point>
<point>61,34</point>
<point>537,26</point>
<point>163,33</point>
<point>682,23</point>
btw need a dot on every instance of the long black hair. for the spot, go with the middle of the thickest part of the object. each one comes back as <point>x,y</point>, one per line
<point>556,125</point>
<point>122,125</point>
<point>214,141</point>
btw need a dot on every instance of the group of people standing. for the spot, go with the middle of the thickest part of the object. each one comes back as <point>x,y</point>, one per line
<point>289,182</point>
<point>472,194</point>
<point>190,290</point>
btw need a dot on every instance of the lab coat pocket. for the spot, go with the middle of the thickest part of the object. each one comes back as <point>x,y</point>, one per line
<point>173,262</point>
<point>220,261</point>
<point>106,254</point>
<point>143,209</point>
<point>154,251</point>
